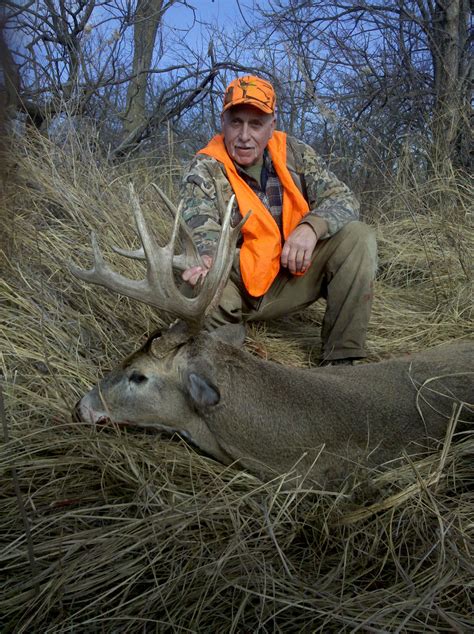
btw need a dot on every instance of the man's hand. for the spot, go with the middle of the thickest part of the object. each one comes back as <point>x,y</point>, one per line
<point>196,273</point>
<point>298,248</point>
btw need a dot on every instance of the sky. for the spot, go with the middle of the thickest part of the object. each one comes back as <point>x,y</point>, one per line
<point>193,27</point>
<point>219,11</point>
<point>223,13</point>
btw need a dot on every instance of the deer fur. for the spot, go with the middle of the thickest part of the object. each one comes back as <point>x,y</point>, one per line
<point>323,424</point>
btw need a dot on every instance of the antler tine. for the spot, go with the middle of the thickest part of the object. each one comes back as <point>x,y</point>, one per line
<point>137,254</point>
<point>155,288</point>
<point>192,254</point>
<point>150,247</point>
<point>181,262</point>
<point>171,206</point>
<point>100,273</point>
<point>217,276</point>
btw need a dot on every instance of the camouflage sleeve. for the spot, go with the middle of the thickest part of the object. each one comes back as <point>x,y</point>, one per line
<point>198,194</point>
<point>328,197</point>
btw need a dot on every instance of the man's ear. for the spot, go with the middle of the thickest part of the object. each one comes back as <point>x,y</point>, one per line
<point>203,393</point>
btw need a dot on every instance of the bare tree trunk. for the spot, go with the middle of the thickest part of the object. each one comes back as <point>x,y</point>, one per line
<point>9,90</point>
<point>147,20</point>
<point>452,78</point>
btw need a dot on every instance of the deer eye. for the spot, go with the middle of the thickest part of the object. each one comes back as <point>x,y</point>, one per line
<point>137,377</point>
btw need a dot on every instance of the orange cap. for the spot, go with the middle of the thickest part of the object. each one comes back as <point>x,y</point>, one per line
<point>250,90</point>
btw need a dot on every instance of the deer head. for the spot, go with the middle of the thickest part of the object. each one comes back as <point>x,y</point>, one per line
<point>157,385</point>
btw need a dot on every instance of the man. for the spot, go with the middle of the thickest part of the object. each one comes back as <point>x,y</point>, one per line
<point>302,240</point>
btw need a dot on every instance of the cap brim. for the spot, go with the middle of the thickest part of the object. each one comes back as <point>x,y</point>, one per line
<point>246,101</point>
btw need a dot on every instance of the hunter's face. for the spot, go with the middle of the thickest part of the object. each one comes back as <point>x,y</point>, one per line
<point>246,131</point>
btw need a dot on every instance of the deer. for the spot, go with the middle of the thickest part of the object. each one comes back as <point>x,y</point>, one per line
<point>320,425</point>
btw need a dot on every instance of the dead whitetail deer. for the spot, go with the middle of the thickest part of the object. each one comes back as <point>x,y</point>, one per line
<point>322,423</point>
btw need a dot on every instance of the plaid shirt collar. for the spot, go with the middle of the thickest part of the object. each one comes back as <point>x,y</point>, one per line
<point>269,190</point>
<point>267,170</point>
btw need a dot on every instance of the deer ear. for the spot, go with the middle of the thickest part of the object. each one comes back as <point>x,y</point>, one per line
<point>202,392</point>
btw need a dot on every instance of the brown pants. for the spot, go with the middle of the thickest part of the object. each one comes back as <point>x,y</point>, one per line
<point>342,271</point>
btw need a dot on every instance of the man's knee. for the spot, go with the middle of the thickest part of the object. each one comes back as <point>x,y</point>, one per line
<point>358,240</point>
<point>357,231</point>
<point>229,310</point>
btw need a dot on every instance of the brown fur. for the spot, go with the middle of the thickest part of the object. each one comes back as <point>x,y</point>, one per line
<point>324,423</point>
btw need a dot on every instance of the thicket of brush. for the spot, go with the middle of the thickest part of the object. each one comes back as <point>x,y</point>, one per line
<point>113,530</point>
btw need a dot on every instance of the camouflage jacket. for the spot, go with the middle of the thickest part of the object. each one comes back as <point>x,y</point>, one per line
<point>327,196</point>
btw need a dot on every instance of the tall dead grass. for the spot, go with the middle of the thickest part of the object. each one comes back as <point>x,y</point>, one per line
<point>113,530</point>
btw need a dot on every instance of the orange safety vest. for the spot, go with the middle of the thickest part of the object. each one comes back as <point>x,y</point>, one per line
<point>261,249</point>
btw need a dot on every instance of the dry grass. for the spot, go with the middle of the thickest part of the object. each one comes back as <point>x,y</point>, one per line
<point>114,530</point>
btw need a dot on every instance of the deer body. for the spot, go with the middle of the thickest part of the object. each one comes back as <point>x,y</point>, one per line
<point>325,422</point>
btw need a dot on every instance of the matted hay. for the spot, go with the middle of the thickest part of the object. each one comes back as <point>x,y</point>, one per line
<point>118,530</point>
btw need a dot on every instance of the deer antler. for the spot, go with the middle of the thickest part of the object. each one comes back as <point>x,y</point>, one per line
<point>158,288</point>
<point>182,261</point>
